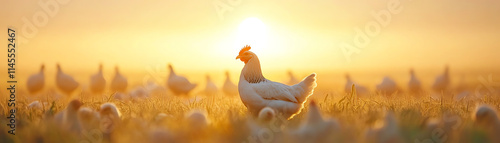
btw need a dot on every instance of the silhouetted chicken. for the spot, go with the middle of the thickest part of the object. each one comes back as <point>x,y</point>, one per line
<point>177,84</point>
<point>97,82</point>
<point>119,82</point>
<point>65,82</point>
<point>229,87</point>
<point>36,82</point>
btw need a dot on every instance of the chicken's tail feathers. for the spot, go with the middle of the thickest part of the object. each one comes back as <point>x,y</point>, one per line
<point>306,87</point>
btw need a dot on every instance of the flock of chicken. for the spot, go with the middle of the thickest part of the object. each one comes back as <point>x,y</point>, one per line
<point>388,86</point>
<point>266,100</point>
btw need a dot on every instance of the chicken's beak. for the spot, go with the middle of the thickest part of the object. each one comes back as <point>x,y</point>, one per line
<point>237,57</point>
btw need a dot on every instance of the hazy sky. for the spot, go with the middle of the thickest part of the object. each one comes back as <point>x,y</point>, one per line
<point>301,35</point>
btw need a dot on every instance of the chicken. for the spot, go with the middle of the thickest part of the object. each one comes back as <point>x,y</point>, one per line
<point>89,119</point>
<point>65,82</point>
<point>257,92</point>
<point>36,82</point>
<point>315,129</point>
<point>487,119</point>
<point>210,87</point>
<point>97,82</point>
<point>267,127</point>
<point>442,82</point>
<point>67,118</point>
<point>360,90</point>
<point>197,119</point>
<point>266,114</point>
<point>177,84</point>
<point>110,117</point>
<point>292,80</point>
<point>414,85</point>
<point>387,86</point>
<point>119,82</point>
<point>229,87</point>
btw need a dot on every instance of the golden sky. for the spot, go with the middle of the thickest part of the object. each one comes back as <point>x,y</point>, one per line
<point>300,35</point>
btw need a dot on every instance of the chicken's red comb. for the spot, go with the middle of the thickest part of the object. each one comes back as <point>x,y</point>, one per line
<point>244,49</point>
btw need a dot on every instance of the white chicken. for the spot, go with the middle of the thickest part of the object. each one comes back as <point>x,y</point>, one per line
<point>197,119</point>
<point>177,84</point>
<point>65,82</point>
<point>442,82</point>
<point>267,127</point>
<point>97,82</point>
<point>266,114</point>
<point>257,92</point>
<point>210,87</point>
<point>89,119</point>
<point>487,118</point>
<point>36,82</point>
<point>387,86</point>
<point>229,87</point>
<point>414,85</point>
<point>119,82</point>
<point>292,80</point>
<point>110,117</point>
<point>360,90</point>
<point>68,118</point>
<point>315,129</point>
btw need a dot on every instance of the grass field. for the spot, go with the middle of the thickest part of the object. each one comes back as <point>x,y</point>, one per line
<point>228,116</point>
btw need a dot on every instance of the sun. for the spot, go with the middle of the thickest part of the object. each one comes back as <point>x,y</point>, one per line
<point>253,32</point>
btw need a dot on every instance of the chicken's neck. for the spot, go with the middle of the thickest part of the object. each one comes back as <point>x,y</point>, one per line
<point>172,73</point>
<point>252,71</point>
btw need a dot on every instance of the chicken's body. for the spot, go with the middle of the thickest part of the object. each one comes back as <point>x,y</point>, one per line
<point>64,82</point>
<point>36,82</point>
<point>414,85</point>
<point>387,86</point>
<point>315,129</point>
<point>110,117</point>
<point>67,119</point>
<point>210,87</point>
<point>257,92</point>
<point>229,87</point>
<point>442,82</point>
<point>97,82</point>
<point>119,82</point>
<point>177,84</point>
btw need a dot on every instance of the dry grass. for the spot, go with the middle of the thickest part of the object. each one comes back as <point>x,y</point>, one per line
<point>228,115</point>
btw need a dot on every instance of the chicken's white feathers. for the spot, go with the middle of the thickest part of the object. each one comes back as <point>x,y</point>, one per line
<point>229,87</point>
<point>36,82</point>
<point>257,92</point>
<point>178,84</point>
<point>64,82</point>
<point>119,82</point>
<point>97,82</point>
